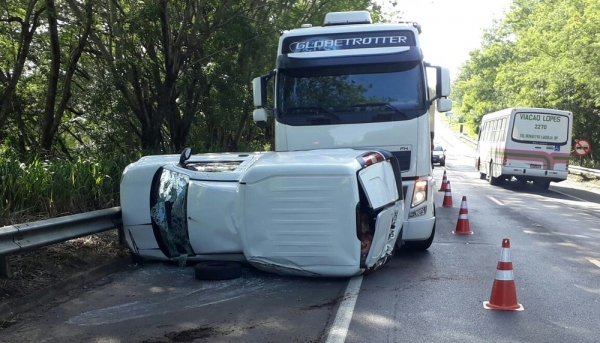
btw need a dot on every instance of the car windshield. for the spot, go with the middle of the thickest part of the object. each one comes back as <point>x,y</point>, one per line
<point>438,148</point>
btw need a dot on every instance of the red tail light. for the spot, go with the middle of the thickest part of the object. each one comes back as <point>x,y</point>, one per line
<point>372,157</point>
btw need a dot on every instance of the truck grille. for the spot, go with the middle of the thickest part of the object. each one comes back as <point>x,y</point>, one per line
<point>403,159</point>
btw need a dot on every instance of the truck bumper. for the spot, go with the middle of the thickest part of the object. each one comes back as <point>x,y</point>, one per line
<point>418,229</point>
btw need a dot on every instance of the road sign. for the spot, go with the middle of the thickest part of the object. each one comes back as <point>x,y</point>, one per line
<point>582,147</point>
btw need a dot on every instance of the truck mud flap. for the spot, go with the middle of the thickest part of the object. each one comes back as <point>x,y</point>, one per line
<point>168,211</point>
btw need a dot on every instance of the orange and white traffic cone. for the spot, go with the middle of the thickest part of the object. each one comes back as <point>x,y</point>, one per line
<point>444,183</point>
<point>504,293</point>
<point>447,196</point>
<point>462,225</point>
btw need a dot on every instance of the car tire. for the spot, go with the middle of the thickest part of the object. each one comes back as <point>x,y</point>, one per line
<point>218,270</point>
<point>443,162</point>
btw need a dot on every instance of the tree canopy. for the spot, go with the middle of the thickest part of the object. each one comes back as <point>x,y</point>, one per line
<point>88,77</point>
<point>544,53</point>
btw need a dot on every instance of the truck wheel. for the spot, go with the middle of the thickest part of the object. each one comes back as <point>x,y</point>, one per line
<point>419,245</point>
<point>218,270</point>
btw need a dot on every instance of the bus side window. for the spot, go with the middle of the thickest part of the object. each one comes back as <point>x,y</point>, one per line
<point>503,129</point>
<point>486,131</point>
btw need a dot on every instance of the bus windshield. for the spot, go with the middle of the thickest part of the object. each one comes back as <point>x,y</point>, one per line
<point>351,94</point>
<point>540,128</point>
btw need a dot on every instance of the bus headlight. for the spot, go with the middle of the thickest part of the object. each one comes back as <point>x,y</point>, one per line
<point>419,193</point>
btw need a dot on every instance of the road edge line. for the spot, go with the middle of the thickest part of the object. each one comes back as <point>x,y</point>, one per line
<point>343,317</point>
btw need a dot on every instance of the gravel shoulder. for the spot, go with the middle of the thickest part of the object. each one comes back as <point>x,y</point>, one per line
<point>41,268</point>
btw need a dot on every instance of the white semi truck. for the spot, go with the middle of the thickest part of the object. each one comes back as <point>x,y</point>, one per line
<point>350,179</point>
<point>352,83</point>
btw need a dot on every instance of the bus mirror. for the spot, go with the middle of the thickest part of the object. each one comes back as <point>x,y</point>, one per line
<point>444,105</point>
<point>477,130</point>
<point>259,115</point>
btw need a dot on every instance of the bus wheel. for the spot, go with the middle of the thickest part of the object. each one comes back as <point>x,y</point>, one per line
<point>492,180</point>
<point>482,176</point>
<point>541,184</point>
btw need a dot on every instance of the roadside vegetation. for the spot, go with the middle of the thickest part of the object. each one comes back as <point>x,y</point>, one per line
<point>543,53</point>
<point>88,86</point>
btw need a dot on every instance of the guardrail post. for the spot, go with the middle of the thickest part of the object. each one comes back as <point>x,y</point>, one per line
<point>122,240</point>
<point>4,266</point>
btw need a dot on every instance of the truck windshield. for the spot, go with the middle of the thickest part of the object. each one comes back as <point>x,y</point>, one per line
<point>351,94</point>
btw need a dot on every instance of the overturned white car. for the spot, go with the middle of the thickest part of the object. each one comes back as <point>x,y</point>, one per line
<point>333,212</point>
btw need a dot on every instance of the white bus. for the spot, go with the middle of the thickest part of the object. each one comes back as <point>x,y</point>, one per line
<point>529,144</point>
<point>355,84</point>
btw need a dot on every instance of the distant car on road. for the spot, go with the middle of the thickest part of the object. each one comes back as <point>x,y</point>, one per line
<point>438,155</point>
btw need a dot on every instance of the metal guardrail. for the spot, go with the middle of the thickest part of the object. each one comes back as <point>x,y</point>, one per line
<point>23,237</point>
<point>581,170</point>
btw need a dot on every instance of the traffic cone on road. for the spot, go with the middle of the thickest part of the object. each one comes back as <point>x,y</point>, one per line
<point>504,293</point>
<point>444,183</point>
<point>447,196</point>
<point>462,225</point>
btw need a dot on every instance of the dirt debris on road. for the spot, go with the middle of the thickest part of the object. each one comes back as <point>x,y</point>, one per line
<point>38,269</point>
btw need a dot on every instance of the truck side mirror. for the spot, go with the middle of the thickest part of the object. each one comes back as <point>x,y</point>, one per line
<point>444,105</point>
<point>259,91</point>
<point>443,82</point>
<point>260,116</point>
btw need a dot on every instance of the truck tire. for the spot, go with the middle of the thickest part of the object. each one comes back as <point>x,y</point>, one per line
<point>218,270</point>
<point>419,245</point>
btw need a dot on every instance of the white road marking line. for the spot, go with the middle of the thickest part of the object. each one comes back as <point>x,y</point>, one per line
<point>593,261</point>
<point>343,317</point>
<point>496,201</point>
<point>570,196</point>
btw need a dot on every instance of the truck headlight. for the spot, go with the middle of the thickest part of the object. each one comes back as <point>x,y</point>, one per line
<point>419,193</point>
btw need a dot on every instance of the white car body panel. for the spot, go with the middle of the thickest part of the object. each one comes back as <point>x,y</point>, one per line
<point>287,212</point>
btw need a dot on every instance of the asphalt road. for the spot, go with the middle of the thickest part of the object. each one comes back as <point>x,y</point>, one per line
<point>434,296</point>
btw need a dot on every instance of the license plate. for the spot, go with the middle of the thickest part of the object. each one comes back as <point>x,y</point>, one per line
<point>536,166</point>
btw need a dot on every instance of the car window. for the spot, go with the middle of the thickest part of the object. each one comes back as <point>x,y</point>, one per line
<point>438,148</point>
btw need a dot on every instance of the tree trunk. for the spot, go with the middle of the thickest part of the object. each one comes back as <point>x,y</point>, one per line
<point>22,53</point>
<point>52,87</point>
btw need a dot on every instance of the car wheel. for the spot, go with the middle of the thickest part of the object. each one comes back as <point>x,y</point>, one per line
<point>218,270</point>
<point>443,162</point>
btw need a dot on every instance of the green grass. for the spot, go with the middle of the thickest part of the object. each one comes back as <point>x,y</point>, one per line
<point>32,187</point>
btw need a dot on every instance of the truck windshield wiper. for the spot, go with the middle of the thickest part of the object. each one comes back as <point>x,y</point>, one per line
<point>313,110</point>
<point>385,105</point>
